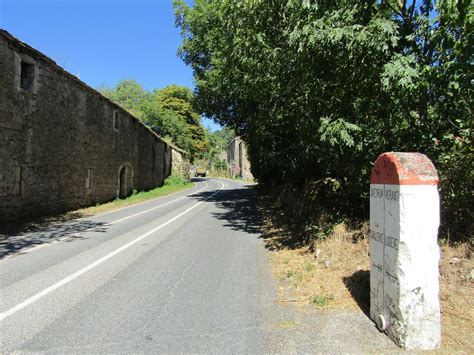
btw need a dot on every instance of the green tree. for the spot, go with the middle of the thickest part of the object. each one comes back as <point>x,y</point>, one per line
<point>168,111</point>
<point>128,94</point>
<point>218,142</point>
<point>319,89</point>
<point>166,124</point>
<point>179,100</point>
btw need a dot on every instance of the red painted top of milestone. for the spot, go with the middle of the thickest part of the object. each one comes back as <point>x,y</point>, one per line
<point>404,169</point>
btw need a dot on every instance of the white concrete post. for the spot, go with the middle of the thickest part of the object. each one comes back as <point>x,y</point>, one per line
<point>404,253</point>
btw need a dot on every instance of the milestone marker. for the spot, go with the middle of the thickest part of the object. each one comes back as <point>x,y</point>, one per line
<point>404,254</point>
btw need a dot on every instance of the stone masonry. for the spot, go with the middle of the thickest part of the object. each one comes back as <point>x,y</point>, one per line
<point>62,144</point>
<point>238,164</point>
<point>180,162</point>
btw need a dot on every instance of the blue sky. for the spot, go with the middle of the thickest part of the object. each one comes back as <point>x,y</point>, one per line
<point>103,41</point>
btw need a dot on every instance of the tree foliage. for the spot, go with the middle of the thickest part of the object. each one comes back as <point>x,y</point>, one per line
<point>179,100</point>
<point>168,111</point>
<point>128,94</point>
<point>319,89</point>
<point>218,142</point>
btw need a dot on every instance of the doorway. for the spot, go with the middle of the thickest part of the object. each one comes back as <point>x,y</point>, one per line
<point>123,185</point>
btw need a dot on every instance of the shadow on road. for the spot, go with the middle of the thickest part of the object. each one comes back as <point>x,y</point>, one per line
<point>239,208</point>
<point>244,210</point>
<point>17,238</point>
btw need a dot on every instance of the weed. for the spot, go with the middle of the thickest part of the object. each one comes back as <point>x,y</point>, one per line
<point>309,267</point>
<point>298,278</point>
<point>320,301</point>
<point>175,180</point>
<point>320,233</point>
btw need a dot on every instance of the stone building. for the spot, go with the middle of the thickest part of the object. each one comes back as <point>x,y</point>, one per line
<point>238,164</point>
<point>62,144</point>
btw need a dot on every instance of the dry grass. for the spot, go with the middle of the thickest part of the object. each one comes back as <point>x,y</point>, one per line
<point>334,274</point>
<point>326,278</point>
<point>288,324</point>
<point>457,297</point>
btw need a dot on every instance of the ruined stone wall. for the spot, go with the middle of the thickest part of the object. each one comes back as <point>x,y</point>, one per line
<point>179,163</point>
<point>62,144</point>
<point>245,168</point>
<point>233,167</point>
<point>238,164</point>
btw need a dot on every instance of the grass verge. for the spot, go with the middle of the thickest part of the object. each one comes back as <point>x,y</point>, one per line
<point>172,184</point>
<point>332,273</point>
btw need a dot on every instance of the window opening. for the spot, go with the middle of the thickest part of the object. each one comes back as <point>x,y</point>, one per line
<point>116,120</point>
<point>27,76</point>
<point>123,182</point>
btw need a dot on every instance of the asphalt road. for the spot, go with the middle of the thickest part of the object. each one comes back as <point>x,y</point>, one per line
<point>183,273</point>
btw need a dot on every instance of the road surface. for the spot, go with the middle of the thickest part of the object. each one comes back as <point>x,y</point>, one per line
<point>183,273</point>
<point>186,273</point>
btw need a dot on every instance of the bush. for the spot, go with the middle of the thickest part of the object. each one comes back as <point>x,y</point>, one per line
<point>175,180</point>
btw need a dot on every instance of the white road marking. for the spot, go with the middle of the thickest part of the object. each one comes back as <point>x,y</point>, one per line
<point>39,246</point>
<point>154,208</point>
<point>91,266</point>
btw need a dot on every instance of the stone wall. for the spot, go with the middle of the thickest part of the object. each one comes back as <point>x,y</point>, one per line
<point>62,144</point>
<point>238,164</point>
<point>180,163</point>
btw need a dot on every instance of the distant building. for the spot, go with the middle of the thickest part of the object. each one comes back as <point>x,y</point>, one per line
<point>238,164</point>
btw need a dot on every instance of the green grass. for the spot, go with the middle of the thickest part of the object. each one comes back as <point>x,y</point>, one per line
<point>172,184</point>
<point>309,267</point>
<point>320,301</point>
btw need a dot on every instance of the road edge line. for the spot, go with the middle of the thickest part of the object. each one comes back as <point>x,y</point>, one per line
<point>96,263</point>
